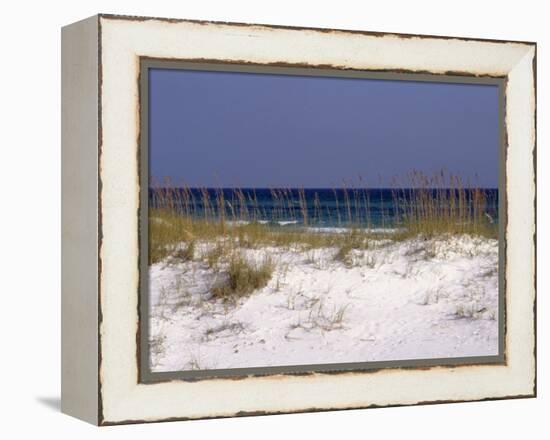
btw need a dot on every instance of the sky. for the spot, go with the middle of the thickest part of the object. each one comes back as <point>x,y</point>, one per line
<point>221,129</point>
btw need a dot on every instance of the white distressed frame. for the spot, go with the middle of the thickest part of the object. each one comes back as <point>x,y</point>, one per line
<point>122,40</point>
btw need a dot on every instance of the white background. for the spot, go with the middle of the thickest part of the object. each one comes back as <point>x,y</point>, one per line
<point>30,217</point>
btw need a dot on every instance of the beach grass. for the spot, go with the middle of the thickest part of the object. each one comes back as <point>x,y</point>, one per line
<point>243,277</point>
<point>421,205</point>
<point>176,235</point>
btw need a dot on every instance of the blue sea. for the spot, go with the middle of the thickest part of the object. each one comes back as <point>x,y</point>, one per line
<point>315,207</point>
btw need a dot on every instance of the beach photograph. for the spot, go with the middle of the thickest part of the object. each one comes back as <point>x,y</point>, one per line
<point>313,220</point>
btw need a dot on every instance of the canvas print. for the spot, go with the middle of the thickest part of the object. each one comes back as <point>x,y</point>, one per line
<point>302,220</point>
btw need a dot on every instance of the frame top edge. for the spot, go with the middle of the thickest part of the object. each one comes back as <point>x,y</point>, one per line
<point>139,18</point>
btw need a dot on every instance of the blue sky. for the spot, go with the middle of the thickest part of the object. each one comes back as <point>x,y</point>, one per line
<point>256,130</point>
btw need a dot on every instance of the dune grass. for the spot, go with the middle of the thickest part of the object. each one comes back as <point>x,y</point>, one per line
<point>243,277</point>
<point>421,205</point>
<point>171,235</point>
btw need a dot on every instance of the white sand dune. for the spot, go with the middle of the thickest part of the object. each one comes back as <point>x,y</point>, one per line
<point>414,299</point>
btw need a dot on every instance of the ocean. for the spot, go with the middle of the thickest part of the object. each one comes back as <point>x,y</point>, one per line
<point>322,207</point>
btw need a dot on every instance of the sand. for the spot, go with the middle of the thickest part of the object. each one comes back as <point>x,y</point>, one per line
<point>413,299</point>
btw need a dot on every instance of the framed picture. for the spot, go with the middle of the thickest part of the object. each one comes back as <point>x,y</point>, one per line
<point>262,219</point>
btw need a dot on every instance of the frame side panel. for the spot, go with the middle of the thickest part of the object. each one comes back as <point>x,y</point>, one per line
<point>79,256</point>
